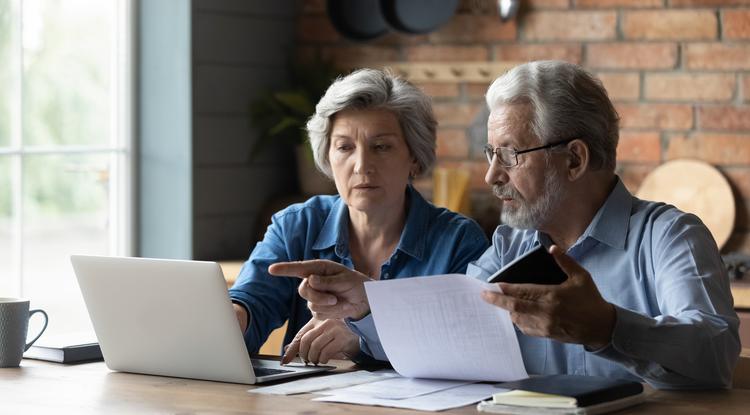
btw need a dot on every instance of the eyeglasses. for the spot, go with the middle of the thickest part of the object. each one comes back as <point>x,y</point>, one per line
<point>508,157</point>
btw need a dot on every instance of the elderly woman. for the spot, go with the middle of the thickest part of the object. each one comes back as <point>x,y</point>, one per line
<point>372,133</point>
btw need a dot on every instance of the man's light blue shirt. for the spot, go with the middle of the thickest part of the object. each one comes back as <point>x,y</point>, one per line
<point>434,241</point>
<point>660,267</point>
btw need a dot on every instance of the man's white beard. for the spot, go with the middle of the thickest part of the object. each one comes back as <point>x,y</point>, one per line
<point>526,216</point>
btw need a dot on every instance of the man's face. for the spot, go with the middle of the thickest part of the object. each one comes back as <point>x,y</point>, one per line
<point>530,190</point>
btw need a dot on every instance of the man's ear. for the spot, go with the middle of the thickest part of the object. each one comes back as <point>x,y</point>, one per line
<point>578,159</point>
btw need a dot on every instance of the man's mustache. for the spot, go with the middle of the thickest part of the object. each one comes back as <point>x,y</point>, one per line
<point>505,192</point>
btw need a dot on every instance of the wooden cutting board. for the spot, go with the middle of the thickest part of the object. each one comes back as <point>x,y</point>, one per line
<point>696,187</point>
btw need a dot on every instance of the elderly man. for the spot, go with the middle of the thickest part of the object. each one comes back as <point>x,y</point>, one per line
<point>647,296</point>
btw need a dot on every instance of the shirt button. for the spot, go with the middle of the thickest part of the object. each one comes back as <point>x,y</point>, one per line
<point>385,275</point>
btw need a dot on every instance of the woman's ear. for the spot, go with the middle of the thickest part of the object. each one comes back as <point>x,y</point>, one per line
<point>578,158</point>
<point>414,170</point>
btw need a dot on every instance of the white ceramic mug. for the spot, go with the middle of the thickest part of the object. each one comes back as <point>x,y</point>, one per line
<point>14,325</point>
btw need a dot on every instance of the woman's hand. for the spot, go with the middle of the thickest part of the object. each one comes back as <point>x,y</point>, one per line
<point>331,289</point>
<point>321,340</point>
<point>242,316</point>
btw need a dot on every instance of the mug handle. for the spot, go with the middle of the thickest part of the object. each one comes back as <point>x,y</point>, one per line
<point>46,320</point>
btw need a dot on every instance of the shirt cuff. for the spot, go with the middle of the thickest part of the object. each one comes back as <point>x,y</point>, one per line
<point>247,310</point>
<point>627,325</point>
<point>368,335</point>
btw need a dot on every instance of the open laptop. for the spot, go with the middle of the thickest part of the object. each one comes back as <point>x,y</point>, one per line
<point>170,318</point>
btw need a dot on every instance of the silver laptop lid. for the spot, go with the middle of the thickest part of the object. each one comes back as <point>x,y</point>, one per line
<point>164,317</point>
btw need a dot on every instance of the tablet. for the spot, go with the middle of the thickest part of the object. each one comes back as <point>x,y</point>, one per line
<point>534,267</point>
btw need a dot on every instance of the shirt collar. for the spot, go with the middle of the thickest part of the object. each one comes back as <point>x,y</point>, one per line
<point>414,236</point>
<point>335,231</point>
<point>611,223</point>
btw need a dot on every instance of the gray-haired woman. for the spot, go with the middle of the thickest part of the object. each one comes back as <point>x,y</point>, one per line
<point>372,133</point>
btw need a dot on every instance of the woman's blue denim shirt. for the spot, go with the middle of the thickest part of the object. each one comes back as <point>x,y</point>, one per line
<point>434,241</point>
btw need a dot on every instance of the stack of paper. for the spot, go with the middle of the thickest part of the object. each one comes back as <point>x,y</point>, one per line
<point>440,336</point>
<point>420,394</point>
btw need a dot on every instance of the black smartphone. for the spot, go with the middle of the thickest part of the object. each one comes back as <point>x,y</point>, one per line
<point>534,267</point>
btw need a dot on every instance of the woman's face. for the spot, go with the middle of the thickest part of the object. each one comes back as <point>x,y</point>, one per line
<point>370,160</point>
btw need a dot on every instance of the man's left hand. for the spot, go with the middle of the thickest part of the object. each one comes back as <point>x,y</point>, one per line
<point>571,312</point>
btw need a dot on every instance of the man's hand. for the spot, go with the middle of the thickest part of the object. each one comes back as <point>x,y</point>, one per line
<point>572,312</point>
<point>321,340</point>
<point>331,289</point>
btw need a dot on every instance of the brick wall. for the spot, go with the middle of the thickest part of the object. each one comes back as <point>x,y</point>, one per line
<point>677,70</point>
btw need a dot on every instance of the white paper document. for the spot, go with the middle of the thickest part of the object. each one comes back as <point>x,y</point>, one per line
<point>438,327</point>
<point>320,383</point>
<point>397,388</point>
<point>437,401</point>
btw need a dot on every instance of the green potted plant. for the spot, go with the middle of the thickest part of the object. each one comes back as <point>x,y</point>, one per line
<point>281,115</point>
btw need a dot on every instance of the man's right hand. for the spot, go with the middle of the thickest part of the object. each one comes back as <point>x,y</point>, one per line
<point>242,316</point>
<point>332,290</point>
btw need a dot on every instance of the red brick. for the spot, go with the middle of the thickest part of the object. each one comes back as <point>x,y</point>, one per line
<point>546,4</point>
<point>476,90</point>
<point>570,52</point>
<point>724,118</point>
<point>657,116</point>
<point>455,114</point>
<point>316,29</point>
<point>394,38</point>
<point>722,3</point>
<point>689,87</point>
<point>670,25</point>
<point>353,55</point>
<point>719,149</point>
<point>568,25</point>
<point>446,53</point>
<point>632,175</point>
<point>746,87</point>
<point>468,28</point>
<point>440,89</point>
<point>735,24</point>
<point>621,86</point>
<point>607,4</point>
<point>632,55</point>
<point>452,143</point>
<point>717,56</point>
<point>639,146</point>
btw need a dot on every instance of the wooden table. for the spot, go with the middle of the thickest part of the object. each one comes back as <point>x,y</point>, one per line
<point>41,387</point>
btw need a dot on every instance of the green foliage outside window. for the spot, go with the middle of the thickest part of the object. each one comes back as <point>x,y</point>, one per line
<point>66,101</point>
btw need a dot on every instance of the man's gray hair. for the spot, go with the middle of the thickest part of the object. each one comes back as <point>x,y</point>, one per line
<point>567,102</point>
<point>375,89</point>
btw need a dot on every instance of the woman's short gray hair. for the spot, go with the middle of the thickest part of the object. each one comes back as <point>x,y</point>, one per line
<point>375,89</point>
<point>567,102</point>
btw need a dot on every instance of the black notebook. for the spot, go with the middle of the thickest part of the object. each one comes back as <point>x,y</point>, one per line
<point>566,391</point>
<point>65,348</point>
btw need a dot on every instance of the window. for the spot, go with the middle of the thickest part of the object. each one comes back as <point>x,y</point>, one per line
<point>65,146</point>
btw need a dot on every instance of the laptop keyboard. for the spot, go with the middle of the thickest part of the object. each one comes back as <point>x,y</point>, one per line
<point>266,371</point>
